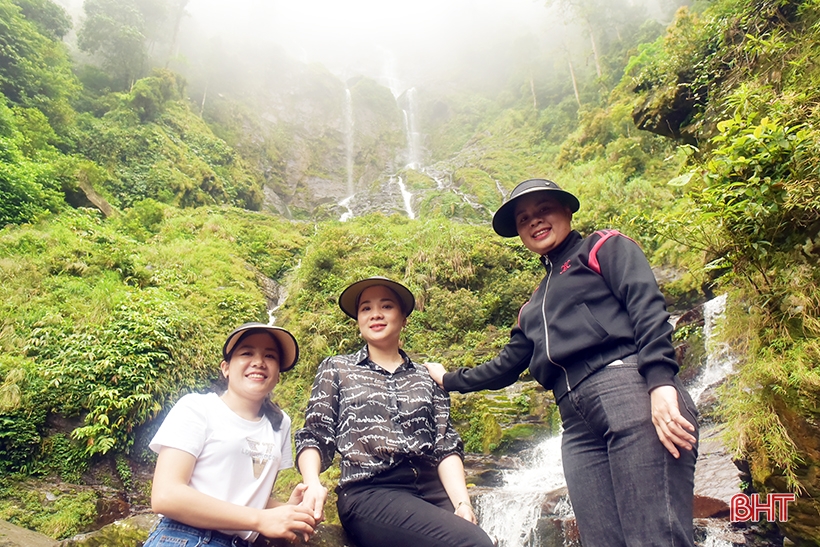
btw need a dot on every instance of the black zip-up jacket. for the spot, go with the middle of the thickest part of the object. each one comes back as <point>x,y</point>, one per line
<point>599,302</point>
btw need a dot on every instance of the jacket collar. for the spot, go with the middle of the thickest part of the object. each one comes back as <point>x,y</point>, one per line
<point>555,255</point>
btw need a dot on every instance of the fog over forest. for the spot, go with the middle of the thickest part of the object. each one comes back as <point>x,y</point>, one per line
<point>297,73</point>
<point>400,44</point>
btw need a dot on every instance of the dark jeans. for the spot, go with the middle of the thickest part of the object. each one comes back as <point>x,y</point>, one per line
<point>626,489</point>
<point>171,533</point>
<point>405,506</point>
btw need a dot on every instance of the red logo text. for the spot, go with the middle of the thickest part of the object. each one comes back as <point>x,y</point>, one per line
<point>754,507</point>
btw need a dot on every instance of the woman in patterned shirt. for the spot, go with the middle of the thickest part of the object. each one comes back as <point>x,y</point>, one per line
<point>402,476</point>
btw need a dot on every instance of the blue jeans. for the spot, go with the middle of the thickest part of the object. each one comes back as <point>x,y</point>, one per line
<point>170,533</point>
<point>626,489</point>
<point>405,506</point>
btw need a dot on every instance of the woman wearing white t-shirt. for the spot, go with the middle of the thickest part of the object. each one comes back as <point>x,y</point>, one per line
<point>218,455</point>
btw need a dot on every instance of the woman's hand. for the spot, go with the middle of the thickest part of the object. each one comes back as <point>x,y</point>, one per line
<point>287,521</point>
<point>436,371</point>
<point>314,498</point>
<point>314,495</point>
<point>670,425</point>
<point>465,511</point>
<point>298,494</point>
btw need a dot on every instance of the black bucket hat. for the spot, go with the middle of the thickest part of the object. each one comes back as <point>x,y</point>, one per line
<point>290,349</point>
<point>504,218</point>
<point>349,299</point>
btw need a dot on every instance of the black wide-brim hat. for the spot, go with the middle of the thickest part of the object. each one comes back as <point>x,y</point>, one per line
<point>349,299</point>
<point>287,342</point>
<point>504,218</point>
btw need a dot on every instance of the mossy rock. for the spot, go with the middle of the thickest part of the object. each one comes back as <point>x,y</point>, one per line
<point>122,533</point>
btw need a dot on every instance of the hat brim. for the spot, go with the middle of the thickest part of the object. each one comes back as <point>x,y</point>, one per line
<point>349,298</point>
<point>287,343</point>
<point>504,218</point>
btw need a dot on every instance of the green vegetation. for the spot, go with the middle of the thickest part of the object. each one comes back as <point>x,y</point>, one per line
<point>57,514</point>
<point>108,329</point>
<point>742,74</point>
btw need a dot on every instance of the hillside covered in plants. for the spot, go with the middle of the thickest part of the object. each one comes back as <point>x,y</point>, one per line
<point>148,205</point>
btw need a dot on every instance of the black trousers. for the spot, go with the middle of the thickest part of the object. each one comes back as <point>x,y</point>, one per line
<point>405,506</point>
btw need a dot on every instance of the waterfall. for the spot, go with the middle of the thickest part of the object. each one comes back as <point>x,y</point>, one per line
<point>348,129</point>
<point>348,136</point>
<point>526,489</point>
<point>500,190</point>
<point>407,197</point>
<point>276,305</point>
<point>275,295</point>
<point>347,215</point>
<point>440,182</point>
<point>411,131</point>
<point>444,181</point>
<point>720,360</point>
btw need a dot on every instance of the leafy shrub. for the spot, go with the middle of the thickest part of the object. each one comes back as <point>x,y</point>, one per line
<point>759,188</point>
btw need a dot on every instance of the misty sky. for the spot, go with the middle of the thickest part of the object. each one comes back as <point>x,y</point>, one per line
<point>374,36</point>
<point>400,43</point>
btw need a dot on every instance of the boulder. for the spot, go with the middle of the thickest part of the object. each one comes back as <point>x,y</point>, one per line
<point>14,536</point>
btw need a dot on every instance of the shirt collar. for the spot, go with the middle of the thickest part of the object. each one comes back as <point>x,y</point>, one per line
<point>362,358</point>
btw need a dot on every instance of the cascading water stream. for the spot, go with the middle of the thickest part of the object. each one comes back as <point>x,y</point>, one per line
<point>348,128</point>
<point>720,359</point>
<point>510,513</point>
<point>500,190</point>
<point>411,131</point>
<point>406,196</point>
<point>524,489</point>
<point>347,215</point>
<point>348,138</point>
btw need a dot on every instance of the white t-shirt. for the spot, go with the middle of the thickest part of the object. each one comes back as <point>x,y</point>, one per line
<point>236,460</point>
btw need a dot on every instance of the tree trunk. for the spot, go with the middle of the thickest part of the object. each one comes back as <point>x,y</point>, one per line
<point>594,48</point>
<point>177,22</point>
<point>532,91</point>
<point>202,106</point>
<point>574,82</point>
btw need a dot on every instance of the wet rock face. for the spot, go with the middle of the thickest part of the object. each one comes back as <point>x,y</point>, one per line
<point>313,172</point>
<point>667,111</point>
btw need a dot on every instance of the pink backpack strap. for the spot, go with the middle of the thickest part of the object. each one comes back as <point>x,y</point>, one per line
<point>593,254</point>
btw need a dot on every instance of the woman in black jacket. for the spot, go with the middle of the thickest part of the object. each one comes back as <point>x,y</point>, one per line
<point>596,332</point>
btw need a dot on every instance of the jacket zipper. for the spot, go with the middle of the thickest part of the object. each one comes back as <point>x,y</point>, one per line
<point>546,326</point>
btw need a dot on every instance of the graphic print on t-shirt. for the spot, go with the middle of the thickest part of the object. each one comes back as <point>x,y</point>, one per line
<point>261,453</point>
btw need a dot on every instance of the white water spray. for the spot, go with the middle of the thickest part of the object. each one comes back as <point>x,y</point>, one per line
<point>348,130</point>
<point>348,137</point>
<point>720,360</point>
<point>275,300</point>
<point>406,196</point>
<point>500,190</point>
<point>525,489</point>
<point>411,131</point>
<point>347,215</point>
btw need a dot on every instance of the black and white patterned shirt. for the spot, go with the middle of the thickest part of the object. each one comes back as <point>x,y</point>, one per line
<point>376,419</point>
